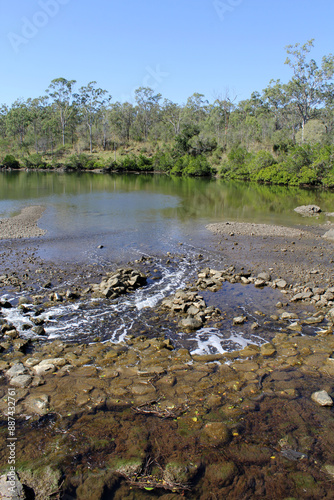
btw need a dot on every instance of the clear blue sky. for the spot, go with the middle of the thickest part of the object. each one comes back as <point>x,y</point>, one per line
<point>177,47</point>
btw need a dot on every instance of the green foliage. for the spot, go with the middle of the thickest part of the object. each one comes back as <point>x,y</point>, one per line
<point>10,161</point>
<point>80,161</point>
<point>193,166</point>
<point>34,161</point>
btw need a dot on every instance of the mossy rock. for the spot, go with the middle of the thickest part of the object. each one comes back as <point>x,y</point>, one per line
<point>221,474</point>
<point>44,481</point>
<point>180,473</point>
<point>215,433</point>
<point>126,467</point>
<point>96,486</point>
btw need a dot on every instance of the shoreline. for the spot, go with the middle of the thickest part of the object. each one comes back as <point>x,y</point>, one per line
<point>23,225</point>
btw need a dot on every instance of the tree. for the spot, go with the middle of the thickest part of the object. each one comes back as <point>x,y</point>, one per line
<point>60,90</point>
<point>309,83</point>
<point>91,100</point>
<point>18,119</point>
<point>148,107</point>
<point>172,114</point>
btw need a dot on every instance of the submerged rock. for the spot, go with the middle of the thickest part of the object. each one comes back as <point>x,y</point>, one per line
<point>322,398</point>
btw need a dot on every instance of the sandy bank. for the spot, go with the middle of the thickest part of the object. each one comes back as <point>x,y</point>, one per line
<point>23,225</point>
<point>249,229</point>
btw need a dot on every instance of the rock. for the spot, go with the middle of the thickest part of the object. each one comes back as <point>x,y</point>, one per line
<point>221,473</point>
<point>287,315</point>
<point>11,488</point>
<point>39,405</point>
<point>322,398</point>
<point>264,276</point>
<point>39,330</point>
<point>329,469</point>
<point>302,296</point>
<point>330,314</point>
<point>43,368</point>
<point>260,282</point>
<point>217,432</point>
<point>16,370</point>
<point>329,235</point>
<point>267,350</point>
<point>191,323</point>
<point>239,320</point>
<point>21,381</point>
<point>308,210</point>
<point>281,284</point>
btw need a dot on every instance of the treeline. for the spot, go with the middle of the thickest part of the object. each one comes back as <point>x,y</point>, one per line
<point>282,135</point>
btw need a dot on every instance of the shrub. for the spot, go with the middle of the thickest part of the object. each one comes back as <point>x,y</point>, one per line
<point>10,161</point>
<point>34,161</point>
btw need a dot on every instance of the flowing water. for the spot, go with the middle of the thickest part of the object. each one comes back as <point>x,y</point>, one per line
<point>150,215</point>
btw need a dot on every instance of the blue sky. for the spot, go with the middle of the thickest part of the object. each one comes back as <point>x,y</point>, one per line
<point>177,47</point>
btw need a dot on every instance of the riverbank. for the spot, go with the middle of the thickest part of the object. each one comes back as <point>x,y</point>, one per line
<point>23,225</point>
<point>143,419</point>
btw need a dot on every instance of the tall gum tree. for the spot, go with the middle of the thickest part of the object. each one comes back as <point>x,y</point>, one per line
<point>309,84</point>
<point>61,91</point>
<point>91,101</point>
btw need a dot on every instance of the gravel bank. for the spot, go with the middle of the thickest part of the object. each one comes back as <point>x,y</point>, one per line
<point>23,225</point>
<point>247,228</point>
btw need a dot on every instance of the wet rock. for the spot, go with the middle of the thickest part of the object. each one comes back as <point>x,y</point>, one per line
<point>21,381</point>
<point>38,404</point>
<point>43,481</point>
<point>191,323</point>
<point>287,316</point>
<point>260,283</point>
<point>217,432</point>
<point>322,398</point>
<point>221,474</point>
<point>239,320</point>
<point>267,350</point>
<point>11,488</point>
<point>16,370</point>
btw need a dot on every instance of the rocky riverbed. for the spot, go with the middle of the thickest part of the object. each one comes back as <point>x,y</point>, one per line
<point>142,418</point>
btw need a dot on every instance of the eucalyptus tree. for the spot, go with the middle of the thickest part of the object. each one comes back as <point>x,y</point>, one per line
<point>3,116</point>
<point>61,92</point>
<point>309,84</point>
<point>147,109</point>
<point>18,119</point>
<point>90,101</point>
<point>172,114</point>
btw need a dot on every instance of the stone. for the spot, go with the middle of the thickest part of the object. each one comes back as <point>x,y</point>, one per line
<point>329,235</point>
<point>217,432</point>
<point>267,350</point>
<point>39,405</point>
<point>21,381</point>
<point>42,369</point>
<point>287,315</point>
<point>264,276</point>
<point>302,296</point>
<point>322,398</point>
<point>259,282</point>
<point>191,323</point>
<point>16,370</point>
<point>281,283</point>
<point>6,485</point>
<point>308,210</point>
<point>239,320</point>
